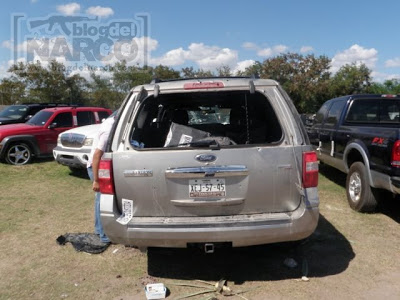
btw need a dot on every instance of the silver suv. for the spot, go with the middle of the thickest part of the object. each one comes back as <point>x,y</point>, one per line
<point>208,162</point>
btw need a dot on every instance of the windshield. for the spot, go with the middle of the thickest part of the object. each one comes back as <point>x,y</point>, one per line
<point>14,112</point>
<point>40,118</point>
<point>209,115</point>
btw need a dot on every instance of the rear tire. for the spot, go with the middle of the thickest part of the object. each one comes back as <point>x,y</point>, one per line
<point>18,154</point>
<point>360,195</point>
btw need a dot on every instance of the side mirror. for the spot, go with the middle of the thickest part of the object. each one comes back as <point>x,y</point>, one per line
<point>52,125</point>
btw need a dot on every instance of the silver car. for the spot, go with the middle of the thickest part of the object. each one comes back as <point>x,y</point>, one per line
<point>209,162</point>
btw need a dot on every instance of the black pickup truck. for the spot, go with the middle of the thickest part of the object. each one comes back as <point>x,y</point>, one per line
<point>360,136</point>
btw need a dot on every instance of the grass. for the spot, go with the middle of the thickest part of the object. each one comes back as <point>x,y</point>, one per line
<point>40,202</point>
<point>43,200</point>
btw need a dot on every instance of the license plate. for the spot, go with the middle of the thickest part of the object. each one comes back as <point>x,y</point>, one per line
<point>207,188</point>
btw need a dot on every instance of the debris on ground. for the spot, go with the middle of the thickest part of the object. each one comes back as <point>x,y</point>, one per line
<point>219,288</point>
<point>85,242</point>
<point>155,291</point>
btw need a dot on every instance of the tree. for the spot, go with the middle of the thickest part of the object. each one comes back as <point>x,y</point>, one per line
<point>305,78</point>
<point>351,79</point>
<point>48,84</point>
<point>391,86</point>
<point>164,72</point>
<point>12,91</point>
<point>253,70</point>
<point>224,71</point>
<point>102,94</point>
<point>189,72</point>
<point>126,77</point>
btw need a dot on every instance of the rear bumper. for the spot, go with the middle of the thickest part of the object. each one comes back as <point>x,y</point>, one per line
<point>71,158</point>
<point>240,230</point>
<point>384,181</point>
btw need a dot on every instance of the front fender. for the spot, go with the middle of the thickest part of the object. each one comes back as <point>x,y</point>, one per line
<point>28,139</point>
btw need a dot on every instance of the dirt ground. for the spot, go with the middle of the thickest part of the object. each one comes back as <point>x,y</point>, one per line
<point>350,255</point>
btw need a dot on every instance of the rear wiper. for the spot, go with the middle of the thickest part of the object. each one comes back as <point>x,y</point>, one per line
<point>202,143</point>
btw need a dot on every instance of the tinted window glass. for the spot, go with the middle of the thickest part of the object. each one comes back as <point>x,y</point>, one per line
<point>364,111</point>
<point>389,111</point>
<point>63,120</point>
<point>40,118</point>
<point>319,117</point>
<point>85,118</point>
<point>334,112</point>
<point>14,112</point>
<point>103,115</point>
<point>34,110</point>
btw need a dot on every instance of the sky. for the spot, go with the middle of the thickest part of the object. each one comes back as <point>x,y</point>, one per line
<point>202,34</point>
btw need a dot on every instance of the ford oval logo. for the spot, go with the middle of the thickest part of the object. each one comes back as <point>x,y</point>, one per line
<point>206,157</point>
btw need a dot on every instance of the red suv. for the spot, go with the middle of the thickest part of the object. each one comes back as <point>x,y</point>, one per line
<point>37,137</point>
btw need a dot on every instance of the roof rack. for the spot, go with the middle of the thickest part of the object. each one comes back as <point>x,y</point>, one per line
<point>158,80</point>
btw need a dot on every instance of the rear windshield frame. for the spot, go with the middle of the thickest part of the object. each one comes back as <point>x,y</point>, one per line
<point>200,98</point>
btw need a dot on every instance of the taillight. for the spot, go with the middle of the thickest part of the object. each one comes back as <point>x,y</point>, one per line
<point>310,169</point>
<point>396,154</point>
<point>106,177</point>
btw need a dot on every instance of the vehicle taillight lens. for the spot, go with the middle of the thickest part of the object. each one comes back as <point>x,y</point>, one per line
<point>310,169</point>
<point>106,177</point>
<point>396,154</point>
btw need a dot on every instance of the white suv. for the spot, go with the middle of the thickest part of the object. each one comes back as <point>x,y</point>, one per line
<point>73,146</point>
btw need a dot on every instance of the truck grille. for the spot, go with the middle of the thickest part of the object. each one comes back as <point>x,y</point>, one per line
<point>72,140</point>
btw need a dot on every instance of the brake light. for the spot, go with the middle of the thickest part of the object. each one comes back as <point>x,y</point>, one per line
<point>106,177</point>
<point>389,96</point>
<point>203,85</point>
<point>310,169</point>
<point>396,154</point>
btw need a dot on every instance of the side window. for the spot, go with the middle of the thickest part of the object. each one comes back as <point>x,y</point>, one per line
<point>321,113</point>
<point>34,110</point>
<point>389,111</point>
<point>334,113</point>
<point>364,111</point>
<point>63,120</point>
<point>103,115</point>
<point>85,118</point>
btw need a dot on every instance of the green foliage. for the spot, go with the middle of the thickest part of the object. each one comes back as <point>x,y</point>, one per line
<point>126,77</point>
<point>164,72</point>
<point>224,71</point>
<point>351,79</point>
<point>47,84</point>
<point>12,90</point>
<point>102,94</point>
<point>305,78</point>
<point>190,72</point>
<point>253,70</point>
<point>388,87</point>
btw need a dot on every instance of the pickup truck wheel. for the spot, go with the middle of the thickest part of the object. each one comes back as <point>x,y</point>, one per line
<point>18,154</point>
<point>359,193</point>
